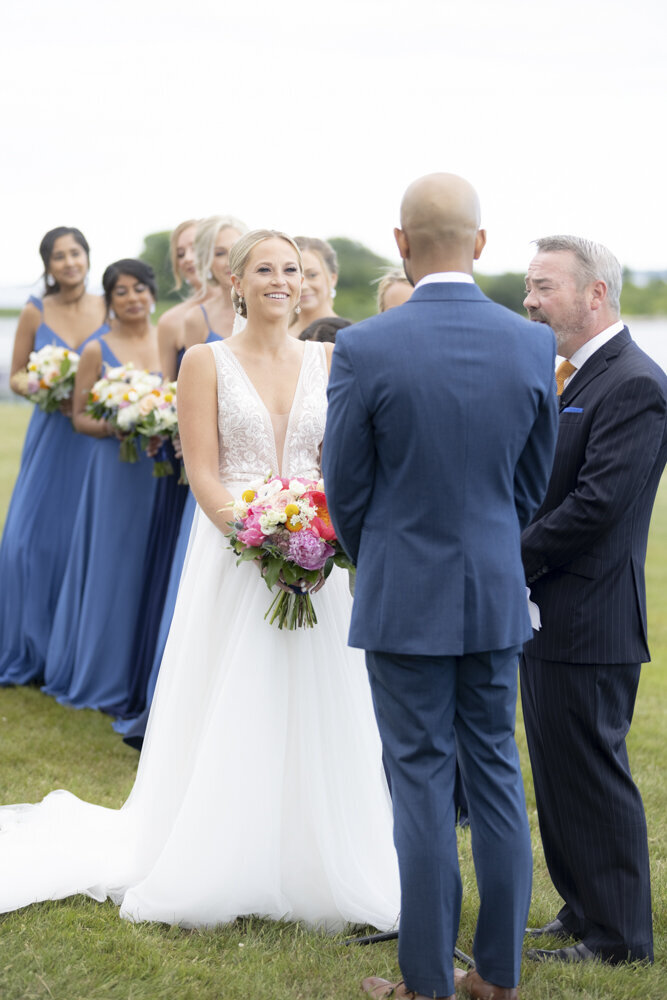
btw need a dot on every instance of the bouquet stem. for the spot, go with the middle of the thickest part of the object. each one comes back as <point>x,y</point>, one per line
<point>292,611</point>
<point>128,450</point>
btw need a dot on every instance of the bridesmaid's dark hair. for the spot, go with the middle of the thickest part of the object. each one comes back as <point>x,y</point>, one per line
<point>46,251</point>
<point>135,268</point>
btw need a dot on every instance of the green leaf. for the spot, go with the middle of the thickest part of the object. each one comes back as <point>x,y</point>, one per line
<point>290,574</point>
<point>247,555</point>
<point>273,567</point>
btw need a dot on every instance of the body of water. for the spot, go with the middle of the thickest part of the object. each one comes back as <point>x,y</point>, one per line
<point>650,332</point>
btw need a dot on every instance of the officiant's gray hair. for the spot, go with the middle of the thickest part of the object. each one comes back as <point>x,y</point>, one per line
<point>238,257</point>
<point>596,263</point>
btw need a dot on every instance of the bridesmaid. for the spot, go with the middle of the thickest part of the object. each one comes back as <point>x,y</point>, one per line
<point>393,289</point>
<point>37,535</point>
<point>320,276</point>
<point>213,240</point>
<point>88,661</point>
<point>171,325</point>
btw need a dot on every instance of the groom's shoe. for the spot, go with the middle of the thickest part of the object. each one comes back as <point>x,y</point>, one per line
<point>382,989</point>
<point>575,953</point>
<point>554,929</point>
<point>472,985</point>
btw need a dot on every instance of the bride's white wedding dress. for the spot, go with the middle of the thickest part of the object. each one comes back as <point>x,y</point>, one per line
<point>260,788</point>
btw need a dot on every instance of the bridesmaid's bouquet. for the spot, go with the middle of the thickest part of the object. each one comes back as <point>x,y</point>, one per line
<point>50,380</point>
<point>159,418</point>
<point>119,398</point>
<point>284,525</point>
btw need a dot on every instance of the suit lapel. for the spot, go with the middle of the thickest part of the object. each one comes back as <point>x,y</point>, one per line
<point>596,364</point>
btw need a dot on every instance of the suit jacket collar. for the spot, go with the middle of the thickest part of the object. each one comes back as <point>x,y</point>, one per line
<point>597,363</point>
<point>442,291</point>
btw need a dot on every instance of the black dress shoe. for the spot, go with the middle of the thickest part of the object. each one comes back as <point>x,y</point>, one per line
<point>554,929</point>
<point>575,953</point>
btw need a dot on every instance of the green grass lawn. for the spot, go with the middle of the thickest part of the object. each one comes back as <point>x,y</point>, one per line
<point>80,950</point>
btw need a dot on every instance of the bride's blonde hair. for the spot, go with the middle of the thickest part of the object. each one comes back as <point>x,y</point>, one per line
<point>238,258</point>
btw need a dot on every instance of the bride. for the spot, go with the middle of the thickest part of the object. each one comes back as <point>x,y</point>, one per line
<point>260,788</point>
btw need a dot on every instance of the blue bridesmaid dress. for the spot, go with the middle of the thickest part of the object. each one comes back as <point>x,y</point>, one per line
<point>133,727</point>
<point>38,531</point>
<point>88,662</point>
<point>166,520</point>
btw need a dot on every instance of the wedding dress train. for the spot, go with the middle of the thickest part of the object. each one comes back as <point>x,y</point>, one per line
<point>260,788</point>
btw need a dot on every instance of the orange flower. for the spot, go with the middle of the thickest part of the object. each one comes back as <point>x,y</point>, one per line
<point>322,522</point>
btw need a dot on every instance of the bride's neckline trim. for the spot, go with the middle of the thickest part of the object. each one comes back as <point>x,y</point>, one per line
<point>280,460</point>
<point>252,385</point>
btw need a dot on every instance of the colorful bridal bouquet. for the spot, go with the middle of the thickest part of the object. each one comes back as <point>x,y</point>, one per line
<point>51,372</point>
<point>284,524</point>
<point>160,419</point>
<point>120,398</point>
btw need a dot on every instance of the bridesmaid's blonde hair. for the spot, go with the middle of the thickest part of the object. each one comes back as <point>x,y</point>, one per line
<point>204,246</point>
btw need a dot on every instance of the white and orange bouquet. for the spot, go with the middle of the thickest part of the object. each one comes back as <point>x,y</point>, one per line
<point>120,399</point>
<point>159,419</point>
<point>50,380</point>
<point>284,525</point>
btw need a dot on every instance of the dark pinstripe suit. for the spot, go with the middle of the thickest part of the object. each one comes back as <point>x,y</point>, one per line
<point>584,558</point>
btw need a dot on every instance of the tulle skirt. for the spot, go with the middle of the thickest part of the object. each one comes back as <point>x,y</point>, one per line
<point>260,788</point>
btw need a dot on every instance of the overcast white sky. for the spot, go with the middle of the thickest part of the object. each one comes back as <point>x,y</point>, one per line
<point>123,118</point>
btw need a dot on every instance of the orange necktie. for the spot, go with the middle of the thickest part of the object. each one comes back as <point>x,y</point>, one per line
<point>563,372</point>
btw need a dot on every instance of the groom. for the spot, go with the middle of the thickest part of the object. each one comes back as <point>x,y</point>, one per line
<point>440,435</point>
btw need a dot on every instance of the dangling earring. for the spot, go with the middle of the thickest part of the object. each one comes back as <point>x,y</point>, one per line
<point>333,293</point>
<point>239,305</point>
<point>152,309</point>
<point>297,309</point>
<point>50,280</point>
<point>111,314</point>
<point>209,276</point>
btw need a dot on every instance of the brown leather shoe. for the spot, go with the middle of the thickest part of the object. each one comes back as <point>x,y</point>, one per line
<point>472,984</point>
<point>382,989</point>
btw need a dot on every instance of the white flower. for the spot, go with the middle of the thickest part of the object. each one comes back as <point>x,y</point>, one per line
<point>239,510</point>
<point>297,488</point>
<point>127,417</point>
<point>265,523</point>
<point>270,489</point>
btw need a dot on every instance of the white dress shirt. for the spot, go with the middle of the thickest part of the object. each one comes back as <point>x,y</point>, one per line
<point>588,349</point>
<point>431,279</point>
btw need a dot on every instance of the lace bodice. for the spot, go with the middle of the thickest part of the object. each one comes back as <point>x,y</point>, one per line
<point>246,441</point>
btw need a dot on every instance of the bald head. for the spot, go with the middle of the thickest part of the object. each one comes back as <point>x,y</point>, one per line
<point>440,219</point>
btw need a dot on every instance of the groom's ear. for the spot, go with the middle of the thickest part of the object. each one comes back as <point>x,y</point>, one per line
<point>402,243</point>
<point>480,243</point>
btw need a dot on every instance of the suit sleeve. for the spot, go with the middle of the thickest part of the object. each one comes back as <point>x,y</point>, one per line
<point>531,477</point>
<point>348,452</point>
<point>621,452</point>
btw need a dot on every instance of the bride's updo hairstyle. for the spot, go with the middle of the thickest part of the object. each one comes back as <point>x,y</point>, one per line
<point>204,247</point>
<point>238,258</point>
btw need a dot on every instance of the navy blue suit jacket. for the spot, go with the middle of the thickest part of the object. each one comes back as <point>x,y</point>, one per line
<point>584,553</point>
<point>438,446</point>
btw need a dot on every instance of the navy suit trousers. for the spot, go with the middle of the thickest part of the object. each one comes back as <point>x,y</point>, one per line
<point>431,710</point>
<point>590,810</point>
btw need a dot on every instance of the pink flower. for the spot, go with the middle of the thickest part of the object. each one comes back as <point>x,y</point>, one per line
<point>309,551</point>
<point>251,534</point>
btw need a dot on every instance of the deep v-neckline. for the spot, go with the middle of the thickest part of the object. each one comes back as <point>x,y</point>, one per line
<point>290,413</point>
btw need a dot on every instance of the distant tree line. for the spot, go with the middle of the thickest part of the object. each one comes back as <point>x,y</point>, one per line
<point>360,270</point>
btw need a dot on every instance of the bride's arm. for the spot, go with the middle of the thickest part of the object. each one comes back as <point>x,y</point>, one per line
<point>198,427</point>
